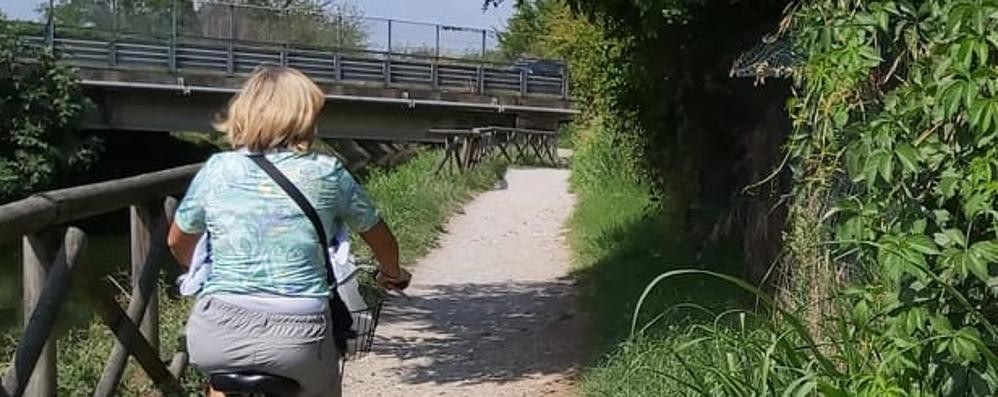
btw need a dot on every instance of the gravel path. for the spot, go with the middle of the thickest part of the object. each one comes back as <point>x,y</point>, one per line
<point>492,311</point>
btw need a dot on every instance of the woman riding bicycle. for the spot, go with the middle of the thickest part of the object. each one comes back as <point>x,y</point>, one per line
<point>265,304</point>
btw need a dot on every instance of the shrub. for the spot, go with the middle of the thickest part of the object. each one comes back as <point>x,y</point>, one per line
<point>41,104</point>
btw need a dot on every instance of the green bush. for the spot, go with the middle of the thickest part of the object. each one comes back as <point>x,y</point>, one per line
<point>41,104</point>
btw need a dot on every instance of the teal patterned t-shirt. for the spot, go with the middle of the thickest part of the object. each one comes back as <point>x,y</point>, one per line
<point>261,242</point>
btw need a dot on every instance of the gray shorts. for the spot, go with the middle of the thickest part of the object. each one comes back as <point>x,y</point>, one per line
<point>223,337</point>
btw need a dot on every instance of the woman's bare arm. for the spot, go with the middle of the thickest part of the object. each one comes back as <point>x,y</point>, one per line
<point>386,251</point>
<point>182,245</point>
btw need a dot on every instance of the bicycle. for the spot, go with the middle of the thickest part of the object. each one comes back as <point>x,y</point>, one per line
<point>259,384</point>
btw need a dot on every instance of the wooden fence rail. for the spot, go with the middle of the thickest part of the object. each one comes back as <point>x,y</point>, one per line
<point>53,252</point>
<point>56,207</point>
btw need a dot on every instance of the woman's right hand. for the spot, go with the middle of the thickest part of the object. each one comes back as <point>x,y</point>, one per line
<point>390,275</point>
<point>398,280</point>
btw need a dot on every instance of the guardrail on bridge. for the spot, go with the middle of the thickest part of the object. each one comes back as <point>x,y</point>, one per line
<point>208,36</point>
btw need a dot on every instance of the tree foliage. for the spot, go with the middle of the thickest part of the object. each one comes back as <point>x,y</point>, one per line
<point>303,22</point>
<point>41,104</point>
<point>606,144</point>
<point>524,29</point>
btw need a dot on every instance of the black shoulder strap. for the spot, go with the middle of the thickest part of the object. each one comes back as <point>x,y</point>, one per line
<point>305,206</point>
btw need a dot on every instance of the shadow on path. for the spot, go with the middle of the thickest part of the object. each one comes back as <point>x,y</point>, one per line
<point>482,333</point>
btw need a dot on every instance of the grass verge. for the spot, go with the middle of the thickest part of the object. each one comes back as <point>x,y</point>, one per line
<point>416,202</point>
<point>622,241</point>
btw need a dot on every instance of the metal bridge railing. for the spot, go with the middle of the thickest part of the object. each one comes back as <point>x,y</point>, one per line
<point>323,65</point>
<point>333,43</point>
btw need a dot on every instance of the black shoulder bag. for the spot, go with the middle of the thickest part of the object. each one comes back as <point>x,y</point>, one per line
<point>342,320</point>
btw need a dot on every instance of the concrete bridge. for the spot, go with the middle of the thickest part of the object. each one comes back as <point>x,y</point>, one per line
<point>176,80</point>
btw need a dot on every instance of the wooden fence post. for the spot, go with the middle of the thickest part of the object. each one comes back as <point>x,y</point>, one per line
<point>39,251</point>
<point>127,333</point>
<point>29,356</point>
<point>142,219</point>
<point>144,285</point>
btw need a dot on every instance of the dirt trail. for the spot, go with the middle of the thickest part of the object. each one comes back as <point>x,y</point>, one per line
<point>492,311</point>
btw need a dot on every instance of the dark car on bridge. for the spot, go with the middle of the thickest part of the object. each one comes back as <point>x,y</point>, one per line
<point>541,67</point>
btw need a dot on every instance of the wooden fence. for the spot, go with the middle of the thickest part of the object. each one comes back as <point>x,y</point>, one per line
<point>464,149</point>
<point>54,252</point>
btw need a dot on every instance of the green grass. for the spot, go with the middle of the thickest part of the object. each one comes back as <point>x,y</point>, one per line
<point>416,202</point>
<point>660,365</point>
<point>597,226</point>
<point>622,240</point>
<point>83,351</point>
<point>639,368</point>
<point>412,198</point>
<point>566,138</point>
<point>699,334</point>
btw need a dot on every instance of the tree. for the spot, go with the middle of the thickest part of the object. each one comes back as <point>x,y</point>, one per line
<point>41,104</point>
<point>313,23</point>
<point>340,25</point>
<point>523,30</point>
<point>145,17</point>
<point>548,29</point>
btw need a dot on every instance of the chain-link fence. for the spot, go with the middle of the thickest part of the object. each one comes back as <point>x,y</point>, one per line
<point>440,40</point>
<point>464,41</point>
<point>305,26</point>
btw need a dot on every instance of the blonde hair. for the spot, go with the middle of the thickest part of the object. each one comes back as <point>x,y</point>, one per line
<point>276,108</point>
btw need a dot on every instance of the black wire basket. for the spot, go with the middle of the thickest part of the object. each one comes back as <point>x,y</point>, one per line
<point>365,322</point>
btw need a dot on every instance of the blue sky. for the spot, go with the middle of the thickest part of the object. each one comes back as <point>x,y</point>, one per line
<point>449,12</point>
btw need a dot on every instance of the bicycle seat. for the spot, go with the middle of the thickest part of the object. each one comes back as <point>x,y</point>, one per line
<point>253,382</point>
